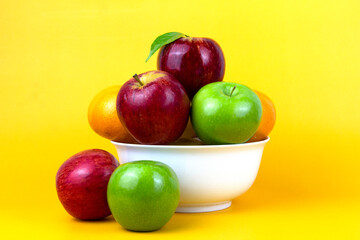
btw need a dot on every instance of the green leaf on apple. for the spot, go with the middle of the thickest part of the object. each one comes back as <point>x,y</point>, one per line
<point>162,40</point>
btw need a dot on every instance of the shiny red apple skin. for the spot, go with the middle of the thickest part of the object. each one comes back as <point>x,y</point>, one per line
<point>158,111</point>
<point>195,62</point>
<point>81,183</point>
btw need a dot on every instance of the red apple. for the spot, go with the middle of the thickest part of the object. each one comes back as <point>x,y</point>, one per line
<point>154,107</point>
<point>81,183</point>
<point>195,62</point>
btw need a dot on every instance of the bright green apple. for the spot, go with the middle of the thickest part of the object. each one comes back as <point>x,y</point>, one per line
<point>224,112</point>
<point>143,195</point>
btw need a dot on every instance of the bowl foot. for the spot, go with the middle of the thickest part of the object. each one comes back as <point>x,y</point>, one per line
<point>205,207</point>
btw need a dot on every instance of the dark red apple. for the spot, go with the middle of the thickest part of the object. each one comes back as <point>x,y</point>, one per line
<point>81,183</point>
<point>154,107</point>
<point>195,62</point>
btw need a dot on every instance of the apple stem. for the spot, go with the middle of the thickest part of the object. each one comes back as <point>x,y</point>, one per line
<point>138,79</point>
<point>233,89</point>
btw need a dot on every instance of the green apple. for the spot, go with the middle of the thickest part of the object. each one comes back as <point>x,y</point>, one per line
<point>224,112</point>
<point>143,195</point>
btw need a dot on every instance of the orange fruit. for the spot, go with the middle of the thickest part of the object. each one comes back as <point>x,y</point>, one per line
<point>267,120</point>
<point>103,118</point>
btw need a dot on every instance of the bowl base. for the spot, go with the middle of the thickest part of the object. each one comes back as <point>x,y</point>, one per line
<point>206,207</point>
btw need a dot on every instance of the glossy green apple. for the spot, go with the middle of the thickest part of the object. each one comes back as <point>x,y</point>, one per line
<point>143,195</point>
<point>224,112</point>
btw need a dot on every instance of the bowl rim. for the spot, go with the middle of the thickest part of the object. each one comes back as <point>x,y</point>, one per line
<point>191,146</point>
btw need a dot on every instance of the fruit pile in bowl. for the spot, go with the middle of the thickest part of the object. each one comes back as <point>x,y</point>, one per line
<point>187,141</point>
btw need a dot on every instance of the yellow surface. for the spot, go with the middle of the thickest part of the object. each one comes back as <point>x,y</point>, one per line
<point>56,55</point>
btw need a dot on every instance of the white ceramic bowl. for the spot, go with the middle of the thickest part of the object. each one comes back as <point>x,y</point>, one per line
<point>210,176</point>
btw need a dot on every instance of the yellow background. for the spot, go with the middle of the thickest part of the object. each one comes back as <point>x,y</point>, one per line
<point>56,55</point>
